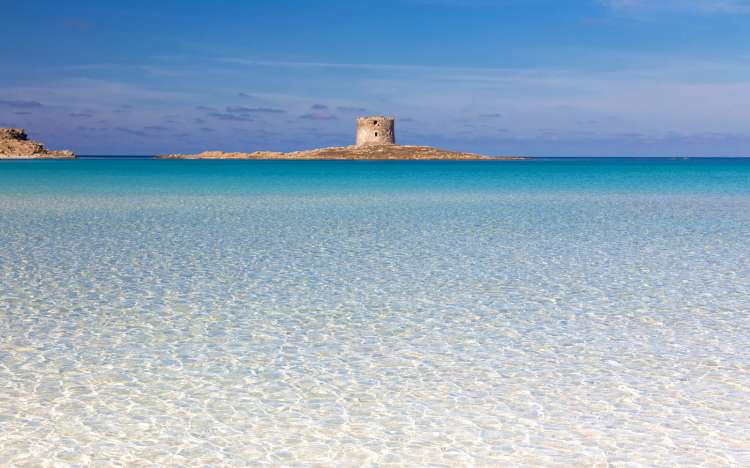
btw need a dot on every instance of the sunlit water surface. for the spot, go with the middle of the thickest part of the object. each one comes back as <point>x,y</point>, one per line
<point>574,312</point>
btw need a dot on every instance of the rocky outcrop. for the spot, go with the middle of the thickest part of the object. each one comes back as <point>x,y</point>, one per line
<point>369,152</point>
<point>14,144</point>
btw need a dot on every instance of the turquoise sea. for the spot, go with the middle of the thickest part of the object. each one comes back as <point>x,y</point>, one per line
<point>573,312</point>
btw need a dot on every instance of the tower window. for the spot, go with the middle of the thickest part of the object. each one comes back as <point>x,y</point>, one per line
<point>376,133</point>
<point>374,122</point>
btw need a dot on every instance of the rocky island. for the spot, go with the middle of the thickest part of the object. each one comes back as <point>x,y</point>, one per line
<point>14,144</point>
<point>369,152</point>
<point>376,140</point>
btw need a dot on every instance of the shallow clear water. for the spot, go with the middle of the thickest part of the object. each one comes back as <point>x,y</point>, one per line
<point>372,313</point>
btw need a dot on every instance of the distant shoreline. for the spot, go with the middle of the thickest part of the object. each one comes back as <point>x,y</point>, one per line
<point>15,145</point>
<point>155,157</point>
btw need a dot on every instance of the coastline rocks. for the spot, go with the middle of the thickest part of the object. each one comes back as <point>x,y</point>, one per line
<point>369,152</point>
<point>14,144</point>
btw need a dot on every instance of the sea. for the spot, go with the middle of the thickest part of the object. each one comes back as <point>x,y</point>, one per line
<point>546,312</point>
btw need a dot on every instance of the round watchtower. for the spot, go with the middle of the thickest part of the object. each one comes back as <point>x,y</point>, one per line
<point>376,130</point>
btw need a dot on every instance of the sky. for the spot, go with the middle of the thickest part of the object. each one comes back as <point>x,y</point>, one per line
<point>526,77</point>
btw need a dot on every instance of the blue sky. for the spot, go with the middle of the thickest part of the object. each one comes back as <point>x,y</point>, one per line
<point>532,77</point>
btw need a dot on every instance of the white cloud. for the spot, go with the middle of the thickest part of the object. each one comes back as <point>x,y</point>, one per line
<point>688,6</point>
<point>644,96</point>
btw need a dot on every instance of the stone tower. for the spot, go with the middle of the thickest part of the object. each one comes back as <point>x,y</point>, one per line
<point>376,130</point>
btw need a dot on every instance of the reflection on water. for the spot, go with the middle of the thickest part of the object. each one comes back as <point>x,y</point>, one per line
<point>238,320</point>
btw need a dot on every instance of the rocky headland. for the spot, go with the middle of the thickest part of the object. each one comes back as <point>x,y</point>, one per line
<point>359,152</point>
<point>15,144</point>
